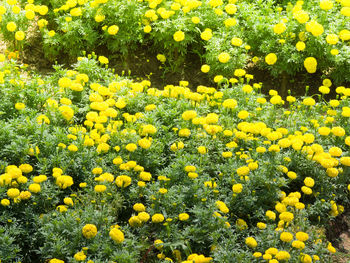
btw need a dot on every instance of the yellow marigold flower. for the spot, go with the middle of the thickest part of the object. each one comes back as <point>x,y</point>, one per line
<point>207,34</point>
<point>279,28</point>
<point>210,184</point>
<point>251,242</point>
<point>80,256</point>
<point>345,161</point>
<point>195,20</point>
<point>306,190</point>
<point>34,188</point>
<point>286,236</point>
<point>305,258</point>
<point>271,59</point>
<point>162,190</point>
<point>161,58</point>
<point>302,16</point>
<point>150,107</point>
<point>26,168</point>
<point>309,182</point>
<point>338,131</point>
<point>231,8</point>
<point>300,46</point>
<point>347,140</point>
<point>211,118</point>
<point>205,68</point>
<point>335,151</point>
<point>25,195</point>
<point>302,236</point>
<point>236,41</point>
<point>226,154</point>
<point>326,4</point>
<point>147,29</point>
<point>215,3</point>
<point>184,132</point>
<point>100,188</point>
<point>19,35</point>
<point>324,89</point>
<point>113,30</point>
<point>325,131</point>
<point>145,176</point>
<point>143,216</point>
<point>332,39</point>
<point>224,57</point>
<point>13,193</point>
<point>144,143</point>
<point>117,235</point>
<point>202,149</point>
<point>103,60</point>
<point>179,36</point>
<point>72,148</point>
<point>123,181</point>
<point>5,202</point>
<point>315,28</point>
<point>99,18</point>
<point>39,179</point>
<point>274,148</point>
<point>286,216</point>
<point>270,214</point>
<point>55,260</point>
<point>64,181</point>
<point>131,147</point>
<point>282,255</point>
<point>190,168</point>
<point>89,231</point>
<point>261,225</point>
<point>30,14</point>
<point>148,129</point>
<point>138,207</point>
<point>260,149</point>
<point>267,257</point>
<point>189,115</point>
<point>344,34</point>
<point>271,251</point>
<point>298,244</point>
<point>309,101</point>
<point>158,244</point>
<point>42,23</point>
<point>222,207</point>
<point>43,9</point>
<point>230,22</point>
<point>183,216</point>
<point>243,171</point>
<point>243,114</point>
<point>334,103</point>
<point>310,64</point>
<point>157,218</point>
<point>332,172</point>
<point>68,201</point>
<point>97,170</point>
<point>67,112</point>
<point>331,248</point>
<point>237,188</point>
<point>11,26</point>
<point>229,103</point>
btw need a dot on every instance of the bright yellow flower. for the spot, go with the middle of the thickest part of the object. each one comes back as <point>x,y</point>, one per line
<point>89,231</point>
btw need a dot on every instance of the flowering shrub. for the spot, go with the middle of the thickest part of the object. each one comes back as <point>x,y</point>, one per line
<point>244,31</point>
<point>96,167</point>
